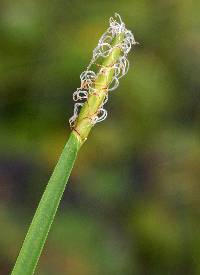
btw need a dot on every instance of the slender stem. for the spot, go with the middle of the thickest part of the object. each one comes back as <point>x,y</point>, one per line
<point>45,213</point>
<point>43,218</point>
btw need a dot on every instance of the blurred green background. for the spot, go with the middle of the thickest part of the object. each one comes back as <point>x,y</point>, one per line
<point>132,205</point>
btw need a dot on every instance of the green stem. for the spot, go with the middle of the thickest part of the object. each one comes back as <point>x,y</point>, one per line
<point>43,218</point>
<point>45,213</point>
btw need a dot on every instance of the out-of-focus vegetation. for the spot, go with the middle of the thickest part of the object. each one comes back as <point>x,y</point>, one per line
<point>141,214</point>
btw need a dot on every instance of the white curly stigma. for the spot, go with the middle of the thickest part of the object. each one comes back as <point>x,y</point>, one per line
<point>103,50</point>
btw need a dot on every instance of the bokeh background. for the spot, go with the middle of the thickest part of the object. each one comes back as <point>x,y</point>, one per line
<point>132,205</point>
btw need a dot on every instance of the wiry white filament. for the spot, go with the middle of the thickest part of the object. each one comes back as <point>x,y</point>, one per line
<point>103,50</point>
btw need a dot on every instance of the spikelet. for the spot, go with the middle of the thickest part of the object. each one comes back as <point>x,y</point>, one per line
<point>103,50</point>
